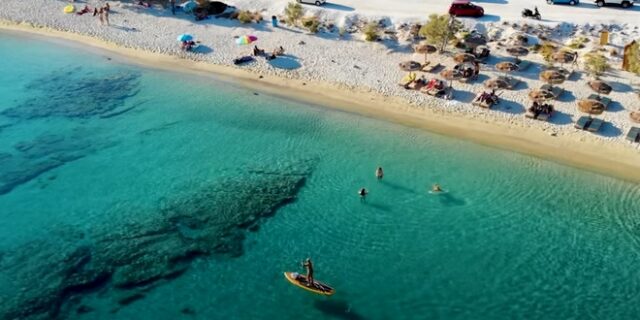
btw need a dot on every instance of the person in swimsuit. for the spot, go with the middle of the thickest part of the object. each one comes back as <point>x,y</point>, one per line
<point>363,193</point>
<point>436,188</point>
<point>309,266</point>
<point>379,173</point>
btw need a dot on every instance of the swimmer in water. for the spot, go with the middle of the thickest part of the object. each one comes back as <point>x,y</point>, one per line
<point>363,193</point>
<point>379,173</point>
<point>436,188</point>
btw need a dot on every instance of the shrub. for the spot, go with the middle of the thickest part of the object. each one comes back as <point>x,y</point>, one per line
<point>596,63</point>
<point>293,11</point>
<point>578,43</point>
<point>634,58</point>
<point>438,28</point>
<point>312,23</point>
<point>245,16</point>
<point>371,31</point>
<point>546,50</point>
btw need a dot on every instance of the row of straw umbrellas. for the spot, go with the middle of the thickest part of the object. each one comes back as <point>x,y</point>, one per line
<point>553,76</point>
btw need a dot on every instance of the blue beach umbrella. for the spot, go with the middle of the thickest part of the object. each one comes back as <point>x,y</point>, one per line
<point>185,37</point>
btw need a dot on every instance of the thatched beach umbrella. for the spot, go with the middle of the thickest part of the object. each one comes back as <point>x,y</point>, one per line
<point>519,39</point>
<point>451,75</point>
<point>518,52</point>
<point>424,48</point>
<point>464,57</point>
<point>507,66</point>
<point>591,106</point>
<point>635,116</point>
<point>600,86</point>
<point>496,84</point>
<point>563,57</point>
<point>475,40</point>
<point>540,95</point>
<point>552,77</point>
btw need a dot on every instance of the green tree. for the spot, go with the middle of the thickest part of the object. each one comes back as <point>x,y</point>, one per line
<point>439,29</point>
<point>293,11</point>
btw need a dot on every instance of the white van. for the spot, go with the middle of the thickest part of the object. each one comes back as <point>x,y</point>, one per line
<point>623,3</point>
<point>316,2</point>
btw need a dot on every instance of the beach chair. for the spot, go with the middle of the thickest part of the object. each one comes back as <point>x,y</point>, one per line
<point>430,67</point>
<point>583,122</point>
<point>543,116</point>
<point>523,65</point>
<point>555,91</point>
<point>634,134</point>
<point>510,81</point>
<point>595,125</point>
<point>604,100</point>
<point>482,104</point>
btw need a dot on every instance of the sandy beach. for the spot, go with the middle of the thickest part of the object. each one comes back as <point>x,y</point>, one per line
<point>349,75</point>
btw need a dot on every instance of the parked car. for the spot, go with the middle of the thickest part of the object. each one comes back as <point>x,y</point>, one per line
<point>464,8</point>
<point>569,2</point>
<point>623,3</point>
<point>316,2</point>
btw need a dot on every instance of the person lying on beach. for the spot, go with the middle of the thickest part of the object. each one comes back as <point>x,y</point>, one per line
<point>84,10</point>
<point>188,45</point>
<point>278,51</point>
<point>257,51</point>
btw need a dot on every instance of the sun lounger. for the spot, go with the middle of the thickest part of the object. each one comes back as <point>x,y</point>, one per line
<point>555,91</point>
<point>634,134</point>
<point>595,125</point>
<point>604,100</point>
<point>543,116</point>
<point>482,104</point>
<point>523,65</point>
<point>446,93</point>
<point>430,67</point>
<point>583,123</point>
<point>511,81</point>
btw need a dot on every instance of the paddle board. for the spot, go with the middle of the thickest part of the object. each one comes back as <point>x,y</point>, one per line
<point>301,281</point>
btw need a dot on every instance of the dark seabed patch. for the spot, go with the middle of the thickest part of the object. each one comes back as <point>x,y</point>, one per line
<point>126,260</point>
<point>44,153</point>
<point>76,93</point>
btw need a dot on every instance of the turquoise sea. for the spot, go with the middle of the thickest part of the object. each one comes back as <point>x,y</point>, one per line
<point>128,193</point>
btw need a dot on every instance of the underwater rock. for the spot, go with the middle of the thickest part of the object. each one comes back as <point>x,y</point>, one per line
<point>132,258</point>
<point>76,94</point>
<point>42,154</point>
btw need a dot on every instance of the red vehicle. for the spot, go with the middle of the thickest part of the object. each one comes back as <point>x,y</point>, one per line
<point>464,8</point>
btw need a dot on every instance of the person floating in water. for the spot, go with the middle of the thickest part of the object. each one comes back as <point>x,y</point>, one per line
<point>309,266</point>
<point>363,193</point>
<point>379,173</point>
<point>436,188</point>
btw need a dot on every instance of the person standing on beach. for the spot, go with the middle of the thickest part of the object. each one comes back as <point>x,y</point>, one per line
<point>173,6</point>
<point>379,173</point>
<point>101,16</point>
<point>106,14</point>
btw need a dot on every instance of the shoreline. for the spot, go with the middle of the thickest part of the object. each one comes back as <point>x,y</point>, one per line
<point>615,160</point>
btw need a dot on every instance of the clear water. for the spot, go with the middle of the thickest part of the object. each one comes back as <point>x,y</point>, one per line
<point>515,237</point>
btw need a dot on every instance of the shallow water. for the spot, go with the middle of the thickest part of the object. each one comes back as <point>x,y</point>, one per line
<point>514,236</point>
